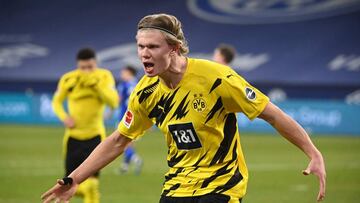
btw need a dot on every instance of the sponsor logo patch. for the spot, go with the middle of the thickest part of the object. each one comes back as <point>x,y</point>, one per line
<point>250,94</point>
<point>185,136</point>
<point>128,118</point>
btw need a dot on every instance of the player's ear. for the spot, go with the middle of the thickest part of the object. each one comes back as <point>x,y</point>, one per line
<point>172,51</point>
<point>175,49</point>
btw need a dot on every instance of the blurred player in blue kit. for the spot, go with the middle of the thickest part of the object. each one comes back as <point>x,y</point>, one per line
<point>125,88</point>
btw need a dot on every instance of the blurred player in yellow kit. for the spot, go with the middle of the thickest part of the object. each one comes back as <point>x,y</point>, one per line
<point>87,90</point>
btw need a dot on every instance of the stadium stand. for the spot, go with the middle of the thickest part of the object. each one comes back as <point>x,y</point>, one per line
<point>309,52</point>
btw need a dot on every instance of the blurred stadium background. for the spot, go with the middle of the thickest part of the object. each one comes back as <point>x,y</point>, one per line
<point>304,55</point>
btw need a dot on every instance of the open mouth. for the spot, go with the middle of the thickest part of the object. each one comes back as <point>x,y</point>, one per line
<point>148,66</point>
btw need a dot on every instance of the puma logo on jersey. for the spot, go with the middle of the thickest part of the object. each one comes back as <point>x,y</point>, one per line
<point>161,108</point>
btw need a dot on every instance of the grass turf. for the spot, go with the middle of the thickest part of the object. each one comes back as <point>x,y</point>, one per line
<point>31,161</point>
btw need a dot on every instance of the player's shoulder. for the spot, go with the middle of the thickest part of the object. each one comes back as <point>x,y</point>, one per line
<point>209,68</point>
<point>147,83</point>
<point>145,88</point>
<point>103,71</point>
<point>70,74</point>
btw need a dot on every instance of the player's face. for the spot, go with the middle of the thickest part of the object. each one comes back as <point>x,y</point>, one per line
<point>125,75</point>
<point>218,57</point>
<point>87,66</point>
<point>153,51</point>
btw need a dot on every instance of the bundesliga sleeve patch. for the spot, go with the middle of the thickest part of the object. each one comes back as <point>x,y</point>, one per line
<point>128,118</point>
<point>250,94</point>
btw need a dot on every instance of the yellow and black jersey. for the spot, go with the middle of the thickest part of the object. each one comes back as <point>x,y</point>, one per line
<point>87,94</point>
<point>199,123</point>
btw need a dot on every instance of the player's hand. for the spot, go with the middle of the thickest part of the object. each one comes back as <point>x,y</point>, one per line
<point>90,79</point>
<point>60,192</point>
<point>70,83</point>
<point>317,167</point>
<point>69,122</point>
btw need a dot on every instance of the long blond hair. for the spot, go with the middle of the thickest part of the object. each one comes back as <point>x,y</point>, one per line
<point>170,26</point>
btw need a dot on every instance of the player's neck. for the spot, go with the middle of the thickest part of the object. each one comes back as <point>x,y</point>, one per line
<point>172,77</point>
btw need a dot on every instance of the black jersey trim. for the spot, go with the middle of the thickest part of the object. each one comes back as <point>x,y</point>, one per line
<point>229,134</point>
<point>218,105</point>
<point>163,107</point>
<point>196,164</point>
<point>234,180</point>
<point>182,110</point>
<point>222,171</point>
<point>174,187</point>
<point>173,175</point>
<point>228,76</point>
<point>174,160</point>
<point>147,91</point>
<point>215,85</point>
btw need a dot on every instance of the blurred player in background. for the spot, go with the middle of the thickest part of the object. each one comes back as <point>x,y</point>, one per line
<point>193,102</point>
<point>224,54</point>
<point>125,88</point>
<point>87,90</point>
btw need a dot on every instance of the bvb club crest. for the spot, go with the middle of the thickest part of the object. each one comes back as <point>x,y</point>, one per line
<point>198,103</point>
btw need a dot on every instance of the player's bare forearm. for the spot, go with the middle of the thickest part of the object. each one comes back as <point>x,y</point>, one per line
<point>293,132</point>
<point>102,155</point>
<point>289,129</point>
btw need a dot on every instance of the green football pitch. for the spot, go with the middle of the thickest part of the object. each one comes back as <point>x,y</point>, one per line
<point>31,161</point>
